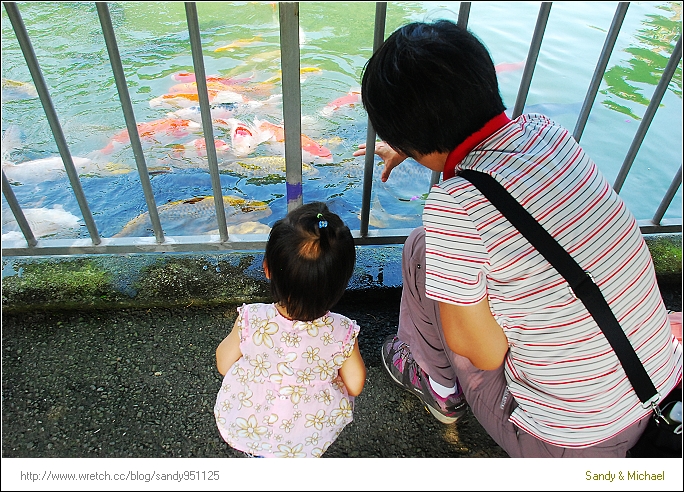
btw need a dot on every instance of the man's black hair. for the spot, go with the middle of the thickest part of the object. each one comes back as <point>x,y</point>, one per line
<point>430,86</point>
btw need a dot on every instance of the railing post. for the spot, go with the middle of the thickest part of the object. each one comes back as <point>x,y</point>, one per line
<point>667,199</point>
<point>600,69</point>
<point>18,213</point>
<point>205,110</point>
<point>648,115</point>
<point>292,101</point>
<point>531,62</point>
<point>50,113</point>
<point>129,116</point>
<point>369,161</point>
<point>462,22</point>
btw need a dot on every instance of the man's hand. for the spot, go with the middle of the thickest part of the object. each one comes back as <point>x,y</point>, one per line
<point>389,156</point>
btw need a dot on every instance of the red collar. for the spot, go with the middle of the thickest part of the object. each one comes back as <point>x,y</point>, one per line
<point>457,155</point>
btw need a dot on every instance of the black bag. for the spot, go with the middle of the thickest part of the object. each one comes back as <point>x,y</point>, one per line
<point>663,435</point>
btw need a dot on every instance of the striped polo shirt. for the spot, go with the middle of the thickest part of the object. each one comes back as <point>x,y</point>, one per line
<point>569,385</point>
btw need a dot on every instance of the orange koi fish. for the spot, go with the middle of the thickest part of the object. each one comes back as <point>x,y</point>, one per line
<point>190,77</point>
<point>311,150</point>
<point>509,67</point>
<point>352,98</point>
<point>148,130</point>
<point>260,88</point>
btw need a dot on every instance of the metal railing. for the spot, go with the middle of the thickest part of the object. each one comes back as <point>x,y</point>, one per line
<point>290,56</point>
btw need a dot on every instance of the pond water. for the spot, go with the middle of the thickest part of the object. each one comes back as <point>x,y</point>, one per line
<point>240,42</point>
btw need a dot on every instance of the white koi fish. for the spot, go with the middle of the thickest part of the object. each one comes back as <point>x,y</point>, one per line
<point>244,138</point>
<point>47,168</point>
<point>43,222</point>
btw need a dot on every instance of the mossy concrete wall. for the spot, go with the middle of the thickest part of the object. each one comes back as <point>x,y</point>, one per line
<point>175,279</point>
<point>164,279</point>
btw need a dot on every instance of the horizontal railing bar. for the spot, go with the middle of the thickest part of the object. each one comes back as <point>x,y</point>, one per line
<point>647,226</point>
<point>212,242</point>
<point>237,242</point>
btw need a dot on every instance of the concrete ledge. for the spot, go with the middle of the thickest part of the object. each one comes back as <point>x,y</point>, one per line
<point>164,280</point>
<point>144,280</point>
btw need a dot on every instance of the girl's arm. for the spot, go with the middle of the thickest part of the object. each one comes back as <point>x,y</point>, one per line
<point>228,350</point>
<point>353,372</point>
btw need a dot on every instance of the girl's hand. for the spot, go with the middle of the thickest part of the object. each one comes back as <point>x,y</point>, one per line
<point>389,156</point>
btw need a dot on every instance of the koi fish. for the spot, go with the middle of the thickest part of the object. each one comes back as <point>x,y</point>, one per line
<point>244,138</point>
<point>14,90</point>
<point>263,165</point>
<point>179,99</point>
<point>259,88</point>
<point>380,218</point>
<point>190,77</point>
<point>43,222</point>
<point>245,228</point>
<point>352,98</point>
<point>188,99</point>
<point>302,72</point>
<point>150,129</point>
<point>198,147</point>
<point>47,168</point>
<point>311,150</point>
<point>509,67</point>
<point>191,87</point>
<point>196,216</point>
<point>218,111</point>
<point>240,43</point>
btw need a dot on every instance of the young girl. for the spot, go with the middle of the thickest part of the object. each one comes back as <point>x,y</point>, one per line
<point>292,368</point>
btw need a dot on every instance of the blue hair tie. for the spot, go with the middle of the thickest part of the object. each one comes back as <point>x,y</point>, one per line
<point>321,223</point>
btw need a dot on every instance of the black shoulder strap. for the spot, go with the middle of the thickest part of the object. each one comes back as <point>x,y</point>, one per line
<point>580,282</point>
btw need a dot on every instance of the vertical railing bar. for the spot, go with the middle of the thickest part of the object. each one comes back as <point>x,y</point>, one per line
<point>600,69</point>
<point>369,160</point>
<point>17,211</point>
<point>462,22</point>
<point>531,62</point>
<point>292,101</point>
<point>648,115</point>
<point>53,121</point>
<point>129,116</point>
<point>667,199</point>
<point>205,111</point>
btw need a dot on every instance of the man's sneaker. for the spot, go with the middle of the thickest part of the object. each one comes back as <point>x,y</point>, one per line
<point>403,369</point>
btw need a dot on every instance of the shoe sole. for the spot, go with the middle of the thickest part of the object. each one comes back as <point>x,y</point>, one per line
<point>417,393</point>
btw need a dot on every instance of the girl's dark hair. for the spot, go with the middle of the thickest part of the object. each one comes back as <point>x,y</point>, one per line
<point>430,86</point>
<point>310,255</point>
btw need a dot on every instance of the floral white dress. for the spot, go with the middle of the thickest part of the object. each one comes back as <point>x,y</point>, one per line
<point>283,398</point>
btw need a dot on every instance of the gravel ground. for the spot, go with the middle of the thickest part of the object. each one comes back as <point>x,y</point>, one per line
<point>142,383</point>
